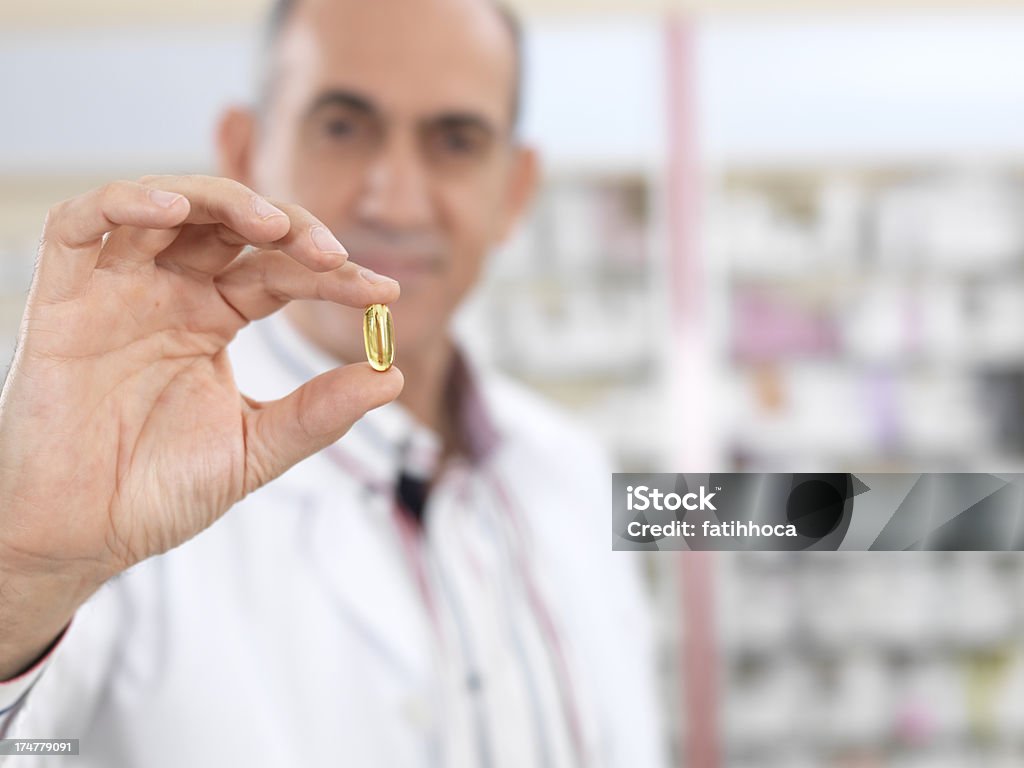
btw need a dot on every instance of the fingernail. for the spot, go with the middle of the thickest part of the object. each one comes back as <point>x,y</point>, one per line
<point>372,277</point>
<point>162,198</point>
<point>325,241</point>
<point>264,209</point>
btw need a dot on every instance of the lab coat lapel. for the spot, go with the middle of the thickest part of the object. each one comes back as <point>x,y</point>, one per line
<point>359,543</point>
<point>353,535</point>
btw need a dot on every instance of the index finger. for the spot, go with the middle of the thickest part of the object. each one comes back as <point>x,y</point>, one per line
<point>240,216</point>
<point>216,200</point>
<point>207,250</point>
<point>74,230</point>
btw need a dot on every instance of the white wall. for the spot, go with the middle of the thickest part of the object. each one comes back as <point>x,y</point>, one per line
<point>847,84</point>
<point>98,101</point>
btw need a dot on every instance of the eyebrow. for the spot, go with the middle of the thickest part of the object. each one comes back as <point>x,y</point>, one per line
<point>359,103</point>
<point>464,121</point>
<point>341,98</point>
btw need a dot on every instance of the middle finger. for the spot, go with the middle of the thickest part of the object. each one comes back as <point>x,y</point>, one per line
<point>236,216</point>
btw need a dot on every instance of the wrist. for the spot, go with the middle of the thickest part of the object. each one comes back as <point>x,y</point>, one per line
<point>13,670</point>
<point>38,573</point>
<point>36,605</point>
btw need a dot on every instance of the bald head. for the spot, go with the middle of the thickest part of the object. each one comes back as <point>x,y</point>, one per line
<point>283,11</point>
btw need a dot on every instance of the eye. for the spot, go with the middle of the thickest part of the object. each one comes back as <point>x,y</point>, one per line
<point>339,128</point>
<point>459,142</point>
<point>339,132</point>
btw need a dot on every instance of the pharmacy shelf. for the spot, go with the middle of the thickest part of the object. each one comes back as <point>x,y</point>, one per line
<point>883,295</point>
<point>891,656</point>
<point>848,342</point>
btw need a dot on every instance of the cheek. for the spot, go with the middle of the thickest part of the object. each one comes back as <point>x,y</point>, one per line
<point>327,196</point>
<point>472,215</point>
<point>272,169</point>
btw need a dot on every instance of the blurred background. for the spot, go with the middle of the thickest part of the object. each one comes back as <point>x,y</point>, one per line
<point>772,236</point>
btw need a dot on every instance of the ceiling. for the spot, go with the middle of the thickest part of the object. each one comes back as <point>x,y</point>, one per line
<point>74,13</point>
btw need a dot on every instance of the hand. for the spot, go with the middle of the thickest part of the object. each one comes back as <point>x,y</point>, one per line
<point>122,433</point>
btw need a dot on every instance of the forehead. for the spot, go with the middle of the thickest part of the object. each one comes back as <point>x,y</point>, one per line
<point>411,58</point>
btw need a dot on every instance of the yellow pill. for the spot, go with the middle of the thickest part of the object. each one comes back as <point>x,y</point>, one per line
<point>379,336</point>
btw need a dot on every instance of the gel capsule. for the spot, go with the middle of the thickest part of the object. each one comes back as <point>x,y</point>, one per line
<point>379,336</point>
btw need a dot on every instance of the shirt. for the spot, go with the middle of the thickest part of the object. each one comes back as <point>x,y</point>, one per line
<point>314,624</point>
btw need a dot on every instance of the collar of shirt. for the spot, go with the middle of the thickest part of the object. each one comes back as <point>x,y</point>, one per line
<point>389,439</point>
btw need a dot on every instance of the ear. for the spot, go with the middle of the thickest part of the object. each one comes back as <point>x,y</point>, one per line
<point>522,186</point>
<point>236,137</point>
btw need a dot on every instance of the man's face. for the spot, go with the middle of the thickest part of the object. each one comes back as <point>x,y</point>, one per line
<point>391,121</point>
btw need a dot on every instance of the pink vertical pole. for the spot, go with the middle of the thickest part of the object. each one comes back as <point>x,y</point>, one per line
<point>683,176</point>
<point>700,661</point>
<point>699,652</point>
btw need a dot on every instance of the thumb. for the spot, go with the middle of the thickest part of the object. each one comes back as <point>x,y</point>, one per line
<point>282,432</point>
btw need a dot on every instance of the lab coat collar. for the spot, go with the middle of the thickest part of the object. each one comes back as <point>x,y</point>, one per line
<point>358,550</point>
<point>355,548</point>
<point>389,439</point>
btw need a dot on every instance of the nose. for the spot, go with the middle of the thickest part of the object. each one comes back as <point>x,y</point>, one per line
<point>396,189</point>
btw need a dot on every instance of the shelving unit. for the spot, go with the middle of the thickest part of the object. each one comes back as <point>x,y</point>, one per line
<point>875,316</point>
<point>868,319</point>
<point>868,660</point>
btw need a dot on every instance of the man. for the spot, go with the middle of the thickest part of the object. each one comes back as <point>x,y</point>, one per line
<point>433,588</point>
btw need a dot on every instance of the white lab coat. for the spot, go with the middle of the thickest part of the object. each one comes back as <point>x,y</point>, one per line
<point>310,627</point>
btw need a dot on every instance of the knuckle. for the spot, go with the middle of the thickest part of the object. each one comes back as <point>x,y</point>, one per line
<point>55,214</point>
<point>292,209</point>
<point>233,187</point>
<point>110,193</point>
<point>194,179</point>
<point>199,181</point>
<point>297,213</point>
<point>298,216</point>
